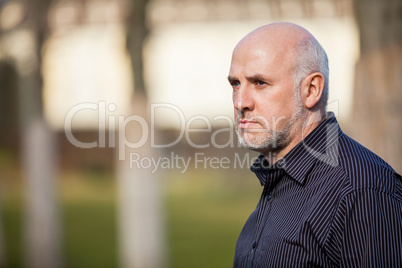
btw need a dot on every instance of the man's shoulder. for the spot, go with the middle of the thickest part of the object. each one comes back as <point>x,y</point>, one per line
<point>364,168</point>
<point>355,155</point>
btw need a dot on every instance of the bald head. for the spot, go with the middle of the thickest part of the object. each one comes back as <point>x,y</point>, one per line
<point>292,45</point>
<point>280,34</point>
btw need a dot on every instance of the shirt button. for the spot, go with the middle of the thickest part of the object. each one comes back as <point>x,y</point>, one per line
<point>268,197</point>
<point>254,244</point>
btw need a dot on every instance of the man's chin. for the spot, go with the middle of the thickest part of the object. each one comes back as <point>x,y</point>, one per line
<point>263,147</point>
<point>252,145</point>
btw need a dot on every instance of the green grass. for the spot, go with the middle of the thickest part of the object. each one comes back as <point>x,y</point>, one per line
<point>11,207</point>
<point>89,220</point>
<point>205,215</point>
<point>205,211</point>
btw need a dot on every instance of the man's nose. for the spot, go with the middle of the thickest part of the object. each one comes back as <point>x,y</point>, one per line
<point>243,100</point>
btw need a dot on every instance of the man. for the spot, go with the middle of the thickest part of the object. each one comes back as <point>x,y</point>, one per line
<point>327,201</point>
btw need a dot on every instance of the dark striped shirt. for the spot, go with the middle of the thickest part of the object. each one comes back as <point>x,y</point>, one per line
<point>331,203</point>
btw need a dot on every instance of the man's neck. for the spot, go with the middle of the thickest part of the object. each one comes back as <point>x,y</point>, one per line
<point>303,127</point>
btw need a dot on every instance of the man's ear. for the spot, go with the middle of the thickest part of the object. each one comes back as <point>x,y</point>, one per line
<point>312,89</point>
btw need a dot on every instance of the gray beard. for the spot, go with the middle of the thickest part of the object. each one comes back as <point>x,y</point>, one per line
<point>274,140</point>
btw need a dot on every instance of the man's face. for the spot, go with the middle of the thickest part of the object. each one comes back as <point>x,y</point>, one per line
<point>266,104</point>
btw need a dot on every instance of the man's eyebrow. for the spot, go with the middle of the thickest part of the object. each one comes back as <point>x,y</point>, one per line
<point>257,77</point>
<point>231,78</point>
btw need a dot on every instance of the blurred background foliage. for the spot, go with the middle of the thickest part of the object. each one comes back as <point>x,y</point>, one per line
<point>204,213</point>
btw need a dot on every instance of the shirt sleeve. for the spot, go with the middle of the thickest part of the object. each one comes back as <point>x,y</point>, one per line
<point>371,230</point>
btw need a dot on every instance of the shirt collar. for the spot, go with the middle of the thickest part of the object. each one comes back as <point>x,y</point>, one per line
<point>299,161</point>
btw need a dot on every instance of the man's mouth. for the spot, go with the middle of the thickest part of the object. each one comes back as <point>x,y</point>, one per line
<point>247,123</point>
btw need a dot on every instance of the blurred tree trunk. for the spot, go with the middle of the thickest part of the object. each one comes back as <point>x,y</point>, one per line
<point>137,32</point>
<point>8,125</point>
<point>377,116</point>
<point>42,236</point>
<point>9,114</point>
<point>141,228</point>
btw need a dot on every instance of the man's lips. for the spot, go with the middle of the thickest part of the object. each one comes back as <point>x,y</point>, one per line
<point>246,123</point>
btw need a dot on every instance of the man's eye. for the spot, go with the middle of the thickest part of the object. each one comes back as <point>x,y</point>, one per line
<point>235,83</point>
<point>261,83</point>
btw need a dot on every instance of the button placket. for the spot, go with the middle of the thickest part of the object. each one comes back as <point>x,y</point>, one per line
<point>264,208</point>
